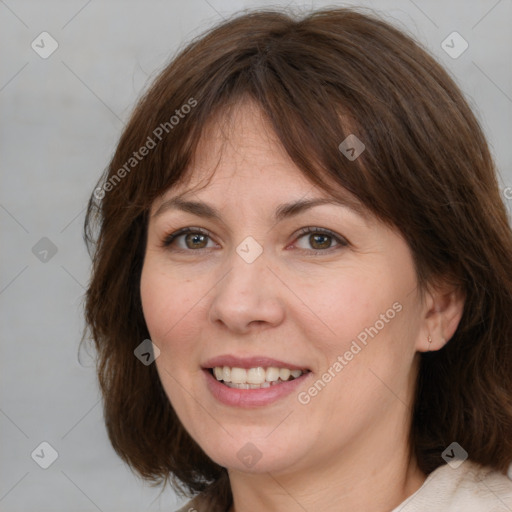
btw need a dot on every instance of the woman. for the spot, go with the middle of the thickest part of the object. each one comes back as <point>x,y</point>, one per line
<point>304,218</point>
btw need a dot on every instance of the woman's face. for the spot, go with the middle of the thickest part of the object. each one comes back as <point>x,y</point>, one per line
<point>247,289</point>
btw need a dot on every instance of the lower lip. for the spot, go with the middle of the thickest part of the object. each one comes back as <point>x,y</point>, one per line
<point>251,397</point>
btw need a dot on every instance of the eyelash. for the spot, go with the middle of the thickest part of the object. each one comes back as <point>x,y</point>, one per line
<point>342,242</point>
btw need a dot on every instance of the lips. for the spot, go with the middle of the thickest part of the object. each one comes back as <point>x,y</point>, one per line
<point>250,362</point>
<point>247,394</point>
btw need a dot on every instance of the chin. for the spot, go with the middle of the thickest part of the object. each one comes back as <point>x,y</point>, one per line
<point>252,453</point>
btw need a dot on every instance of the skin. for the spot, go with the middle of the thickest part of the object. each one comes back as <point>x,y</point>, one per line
<point>349,443</point>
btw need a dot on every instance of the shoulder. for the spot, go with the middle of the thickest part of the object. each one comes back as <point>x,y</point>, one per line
<point>201,503</point>
<point>215,498</point>
<point>189,507</point>
<point>194,505</point>
<point>469,487</point>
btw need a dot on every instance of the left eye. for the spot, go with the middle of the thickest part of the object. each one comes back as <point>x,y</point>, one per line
<point>320,239</point>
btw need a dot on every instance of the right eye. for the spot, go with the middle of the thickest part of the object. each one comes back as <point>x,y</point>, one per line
<point>191,239</point>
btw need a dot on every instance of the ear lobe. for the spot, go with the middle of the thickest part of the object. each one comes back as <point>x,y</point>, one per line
<point>444,309</point>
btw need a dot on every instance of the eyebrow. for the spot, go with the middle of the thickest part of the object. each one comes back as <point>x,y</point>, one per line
<point>283,211</point>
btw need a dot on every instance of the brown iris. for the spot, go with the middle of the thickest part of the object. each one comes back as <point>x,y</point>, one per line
<point>322,245</point>
<point>195,238</point>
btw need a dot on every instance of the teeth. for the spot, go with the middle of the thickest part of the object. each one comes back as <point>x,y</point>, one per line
<point>226,374</point>
<point>256,375</point>
<point>284,373</point>
<point>238,375</point>
<point>254,378</point>
<point>250,386</point>
<point>272,374</point>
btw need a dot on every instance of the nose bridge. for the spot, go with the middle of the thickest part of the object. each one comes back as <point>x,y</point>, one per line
<point>248,265</point>
<point>246,294</point>
<point>247,262</point>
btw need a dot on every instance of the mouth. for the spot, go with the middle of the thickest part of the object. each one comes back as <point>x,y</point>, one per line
<point>258,377</point>
<point>252,381</point>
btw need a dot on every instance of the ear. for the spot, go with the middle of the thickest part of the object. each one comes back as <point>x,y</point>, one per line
<point>444,306</point>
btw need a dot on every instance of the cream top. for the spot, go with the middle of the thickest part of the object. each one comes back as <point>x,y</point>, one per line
<point>469,487</point>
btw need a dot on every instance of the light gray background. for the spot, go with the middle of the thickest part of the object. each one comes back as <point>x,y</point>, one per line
<point>60,120</point>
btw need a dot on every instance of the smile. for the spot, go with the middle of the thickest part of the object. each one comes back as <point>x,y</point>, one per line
<point>254,378</point>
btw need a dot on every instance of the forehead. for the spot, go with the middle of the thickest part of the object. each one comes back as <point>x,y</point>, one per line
<point>239,149</point>
<point>239,157</point>
<point>241,144</point>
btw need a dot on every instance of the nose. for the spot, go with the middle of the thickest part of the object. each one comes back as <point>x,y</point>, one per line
<point>248,297</point>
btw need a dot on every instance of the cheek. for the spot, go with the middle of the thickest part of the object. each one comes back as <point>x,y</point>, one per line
<point>372,307</point>
<point>154,300</point>
<point>171,306</point>
<point>342,307</point>
<point>164,302</point>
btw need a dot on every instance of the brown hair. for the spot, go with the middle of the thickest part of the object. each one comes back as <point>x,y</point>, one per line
<point>426,170</point>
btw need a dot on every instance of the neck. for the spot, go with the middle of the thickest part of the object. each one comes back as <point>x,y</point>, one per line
<point>380,490</point>
<point>375,479</point>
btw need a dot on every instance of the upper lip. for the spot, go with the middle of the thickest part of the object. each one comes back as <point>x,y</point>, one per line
<point>249,362</point>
